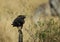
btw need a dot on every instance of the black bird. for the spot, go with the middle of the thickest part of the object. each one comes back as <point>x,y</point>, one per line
<point>19,21</point>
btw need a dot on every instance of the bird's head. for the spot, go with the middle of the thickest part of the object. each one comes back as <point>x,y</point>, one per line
<point>22,16</point>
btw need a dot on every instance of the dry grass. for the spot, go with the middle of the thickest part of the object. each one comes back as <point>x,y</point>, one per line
<point>9,10</point>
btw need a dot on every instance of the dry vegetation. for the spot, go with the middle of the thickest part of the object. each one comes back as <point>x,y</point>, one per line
<point>47,28</point>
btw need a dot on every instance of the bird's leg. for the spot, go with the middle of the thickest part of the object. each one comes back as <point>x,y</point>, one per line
<point>21,26</point>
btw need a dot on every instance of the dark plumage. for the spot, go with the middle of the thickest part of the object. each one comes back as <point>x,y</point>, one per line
<point>19,21</point>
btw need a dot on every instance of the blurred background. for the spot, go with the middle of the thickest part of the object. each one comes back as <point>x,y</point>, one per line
<point>42,23</point>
